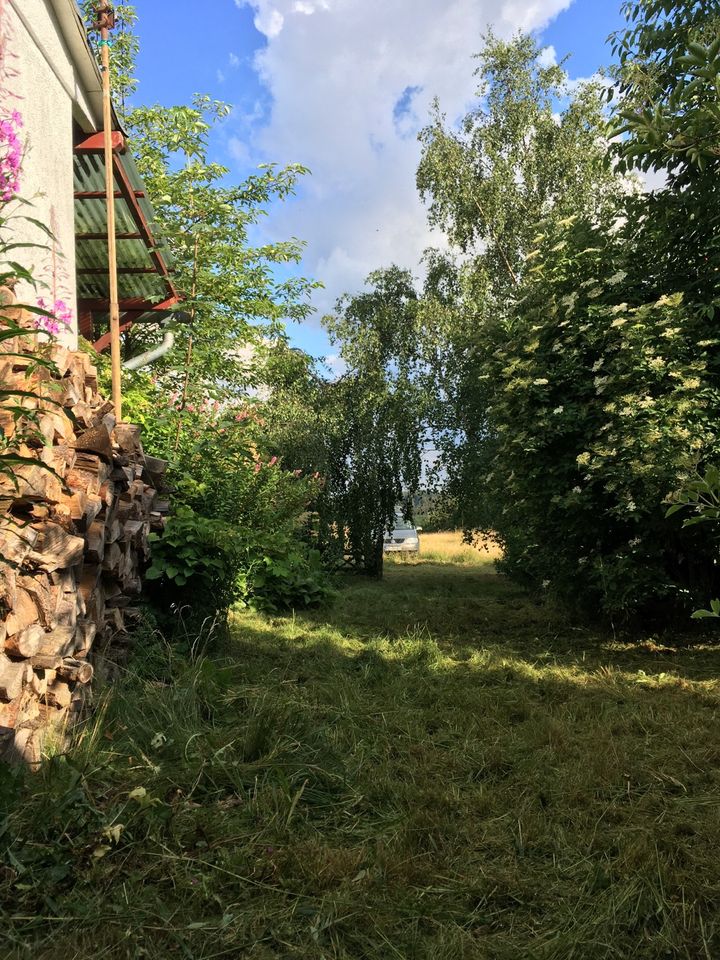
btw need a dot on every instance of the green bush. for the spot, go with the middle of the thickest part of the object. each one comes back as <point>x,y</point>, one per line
<point>599,406</point>
<point>206,565</point>
<point>237,534</point>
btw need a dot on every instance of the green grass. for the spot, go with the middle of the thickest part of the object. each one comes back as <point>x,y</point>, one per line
<point>436,769</point>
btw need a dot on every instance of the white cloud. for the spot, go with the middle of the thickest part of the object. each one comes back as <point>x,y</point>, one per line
<point>234,61</point>
<point>548,56</point>
<point>351,82</point>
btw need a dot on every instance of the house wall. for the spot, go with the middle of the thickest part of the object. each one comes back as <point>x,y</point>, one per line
<point>50,96</point>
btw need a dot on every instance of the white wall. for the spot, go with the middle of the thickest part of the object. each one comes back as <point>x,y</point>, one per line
<point>50,95</point>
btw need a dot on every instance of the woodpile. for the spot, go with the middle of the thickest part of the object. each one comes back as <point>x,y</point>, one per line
<point>74,528</point>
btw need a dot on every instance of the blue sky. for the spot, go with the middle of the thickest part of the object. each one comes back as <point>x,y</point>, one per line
<point>342,86</point>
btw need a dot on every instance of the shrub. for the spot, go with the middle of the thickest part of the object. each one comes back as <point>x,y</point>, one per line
<point>599,405</point>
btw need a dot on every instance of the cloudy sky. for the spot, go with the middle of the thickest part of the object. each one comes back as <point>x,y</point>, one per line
<point>343,86</point>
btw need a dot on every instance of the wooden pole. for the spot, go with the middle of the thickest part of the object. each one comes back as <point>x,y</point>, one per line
<point>105,22</point>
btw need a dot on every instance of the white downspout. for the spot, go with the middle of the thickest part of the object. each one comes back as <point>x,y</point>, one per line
<point>150,356</point>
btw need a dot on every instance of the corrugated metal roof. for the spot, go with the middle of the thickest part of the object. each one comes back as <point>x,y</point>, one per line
<point>92,254</point>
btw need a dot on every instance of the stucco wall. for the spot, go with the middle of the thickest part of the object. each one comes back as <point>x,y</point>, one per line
<point>50,96</point>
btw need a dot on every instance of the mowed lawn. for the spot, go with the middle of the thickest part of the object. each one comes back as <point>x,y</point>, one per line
<point>436,768</point>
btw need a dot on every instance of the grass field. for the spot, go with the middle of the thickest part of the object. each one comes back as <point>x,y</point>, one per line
<point>448,547</point>
<point>436,768</point>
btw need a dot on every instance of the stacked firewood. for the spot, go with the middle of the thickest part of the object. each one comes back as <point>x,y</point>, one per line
<point>74,527</point>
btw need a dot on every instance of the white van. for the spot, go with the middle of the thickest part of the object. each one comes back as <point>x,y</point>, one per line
<point>403,538</point>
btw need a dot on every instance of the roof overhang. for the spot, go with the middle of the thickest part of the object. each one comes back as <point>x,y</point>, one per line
<point>76,40</point>
<point>86,91</point>
<point>144,265</point>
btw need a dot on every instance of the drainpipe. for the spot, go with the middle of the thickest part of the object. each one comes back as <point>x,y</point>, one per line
<point>150,356</point>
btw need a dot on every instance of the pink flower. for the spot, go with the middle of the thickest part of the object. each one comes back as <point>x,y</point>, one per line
<point>272,462</point>
<point>258,467</point>
<point>297,473</point>
<point>62,315</point>
<point>10,156</point>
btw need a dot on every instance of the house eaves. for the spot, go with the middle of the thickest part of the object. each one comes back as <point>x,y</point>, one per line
<point>88,80</point>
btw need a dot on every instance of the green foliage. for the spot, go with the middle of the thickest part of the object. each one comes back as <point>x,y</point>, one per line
<point>230,290</point>
<point>279,573</point>
<point>373,424</point>
<point>22,407</point>
<point>668,82</point>
<point>577,382</point>
<point>206,565</point>
<point>237,532</point>
<point>701,497</point>
<point>597,410</point>
<point>197,553</point>
<point>516,158</point>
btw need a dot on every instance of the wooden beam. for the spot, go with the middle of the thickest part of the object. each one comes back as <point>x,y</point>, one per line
<point>101,271</point>
<point>101,195</point>
<point>95,143</point>
<point>105,340</point>
<point>131,305</point>
<point>103,236</point>
<point>110,158</point>
<point>144,227</point>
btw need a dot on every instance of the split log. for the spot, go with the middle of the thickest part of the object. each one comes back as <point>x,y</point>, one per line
<point>112,559</point>
<point>96,439</point>
<point>24,612</point>
<point>38,684</point>
<point>59,693</point>
<point>9,713</point>
<point>113,530</point>
<point>85,634</point>
<point>25,643</point>
<point>56,548</point>
<point>60,642</point>
<point>48,662</point>
<point>32,483</point>
<point>155,467</point>
<point>79,671</point>
<point>38,588</point>
<point>66,604</point>
<point>127,437</point>
<point>12,677</point>
<point>88,581</point>
<point>16,541</point>
<point>96,542</point>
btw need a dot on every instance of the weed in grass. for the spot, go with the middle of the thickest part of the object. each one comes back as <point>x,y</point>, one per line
<point>435,769</point>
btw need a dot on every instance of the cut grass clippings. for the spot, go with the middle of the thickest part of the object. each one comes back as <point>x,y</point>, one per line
<point>435,769</point>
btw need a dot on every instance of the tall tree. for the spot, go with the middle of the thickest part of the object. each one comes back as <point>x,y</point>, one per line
<point>366,435</point>
<point>585,390</point>
<point>532,152</point>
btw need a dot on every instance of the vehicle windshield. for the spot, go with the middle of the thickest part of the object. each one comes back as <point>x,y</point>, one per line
<point>403,525</point>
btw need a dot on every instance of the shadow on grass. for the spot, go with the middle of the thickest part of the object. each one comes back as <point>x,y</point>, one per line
<point>468,609</point>
<point>390,778</point>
